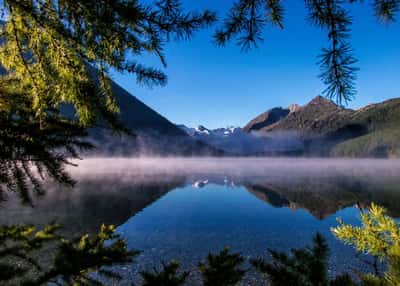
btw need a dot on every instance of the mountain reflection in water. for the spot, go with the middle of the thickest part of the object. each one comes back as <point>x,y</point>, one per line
<point>183,208</point>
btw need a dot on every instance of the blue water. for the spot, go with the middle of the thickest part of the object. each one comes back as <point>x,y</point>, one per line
<point>183,209</point>
<point>188,223</point>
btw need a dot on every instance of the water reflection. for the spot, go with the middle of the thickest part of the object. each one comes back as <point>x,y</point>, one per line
<point>189,222</point>
<point>185,209</point>
<point>97,199</point>
<point>112,191</point>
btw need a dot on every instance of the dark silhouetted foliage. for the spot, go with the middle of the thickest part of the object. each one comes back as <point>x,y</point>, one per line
<point>304,267</point>
<point>75,260</point>
<point>56,53</point>
<point>168,276</point>
<point>343,280</point>
<point>222,269</point>
<point>16,245</point>
<point>246,21</point>
<point>30,150</point>
<point>336,61</point>
<point>52,47</point>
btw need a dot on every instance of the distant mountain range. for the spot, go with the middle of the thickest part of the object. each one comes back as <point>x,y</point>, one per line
<point>318,116</point>
<point>236,141</point>
<point>331,130</point>
<point>319,128</point>
<point>155,135</point>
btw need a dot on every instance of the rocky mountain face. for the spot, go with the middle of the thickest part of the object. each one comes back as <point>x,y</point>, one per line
<point>327,129</point>
<point>320,115</point>
<point>267,118</point>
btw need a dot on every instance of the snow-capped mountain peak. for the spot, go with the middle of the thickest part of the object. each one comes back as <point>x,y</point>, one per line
<point>235,140</point>
<point>202,130</point>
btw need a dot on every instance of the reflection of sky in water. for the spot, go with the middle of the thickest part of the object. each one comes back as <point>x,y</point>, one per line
<point>187,223</point>
<point>248,204</point>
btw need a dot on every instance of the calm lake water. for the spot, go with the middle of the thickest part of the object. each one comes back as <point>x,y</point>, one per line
<point>182,209</point>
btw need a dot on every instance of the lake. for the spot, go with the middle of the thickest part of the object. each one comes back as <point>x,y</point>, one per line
<point>182,209</point>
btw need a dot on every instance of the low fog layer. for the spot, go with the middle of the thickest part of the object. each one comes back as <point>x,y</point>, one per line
<point>113,190</point>
<point>322,186</point>
<point>268,167</point>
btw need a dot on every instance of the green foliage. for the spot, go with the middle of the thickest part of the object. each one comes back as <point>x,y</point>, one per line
<point>30,150</point>
<point>379,235</point>
<point>381,143</point>
<point>81,261</point>
<point>16,245</point>
<point>222,269</point>
<point>305,267</point>
<point>75,260</point>
<point>168,276</point>
<point>52,48</point>
<point>58,53</point>
<point>383,137</point>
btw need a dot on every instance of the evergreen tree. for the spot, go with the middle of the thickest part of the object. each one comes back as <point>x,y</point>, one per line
<point>54,49</point>
<point>16,245</point>
<point>305,267</point>
<point>56,53</point>
<point>246,20</point>
<point>74,263</point>
<point>379,235</point>
<point>59,52</point>
<point>168,276</point>
<point>222,269</point>
<point>29,151</point>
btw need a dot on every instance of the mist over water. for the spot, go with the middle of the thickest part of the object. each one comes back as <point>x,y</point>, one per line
<point>266,167</point>
<point>183,208</point>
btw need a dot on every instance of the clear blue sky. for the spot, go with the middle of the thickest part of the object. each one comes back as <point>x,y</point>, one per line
<point>218,87</point>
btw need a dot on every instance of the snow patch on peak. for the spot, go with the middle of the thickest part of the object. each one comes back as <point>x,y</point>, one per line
<point>235,140</point>
<point>202,129</point>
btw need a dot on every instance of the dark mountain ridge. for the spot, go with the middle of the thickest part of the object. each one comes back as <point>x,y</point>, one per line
<point>330,130</point>
<point>154,134</point>
<point>266,119</point>
<point>320,115</point>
